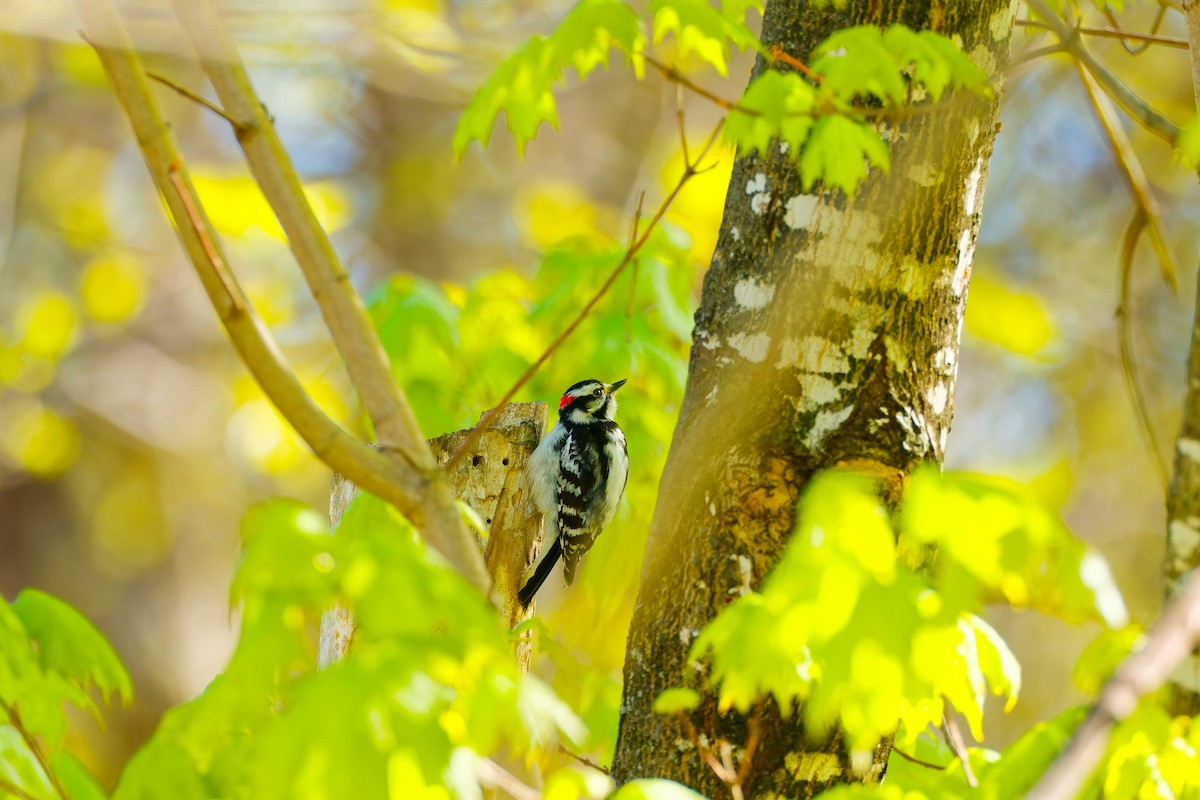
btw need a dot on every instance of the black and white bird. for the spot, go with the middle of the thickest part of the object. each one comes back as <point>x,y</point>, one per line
<point>577,476</point>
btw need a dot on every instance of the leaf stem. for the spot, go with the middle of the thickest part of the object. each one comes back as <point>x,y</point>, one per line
<point>14,719</point>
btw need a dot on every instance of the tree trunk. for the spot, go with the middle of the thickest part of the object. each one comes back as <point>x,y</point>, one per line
<point>827,334</point>
<point>1183,498</point>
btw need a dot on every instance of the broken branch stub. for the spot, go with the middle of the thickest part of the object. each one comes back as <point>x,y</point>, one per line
<point>490,481</point>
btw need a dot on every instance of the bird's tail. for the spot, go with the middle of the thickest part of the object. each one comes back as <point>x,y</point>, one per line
<point>541,571</point>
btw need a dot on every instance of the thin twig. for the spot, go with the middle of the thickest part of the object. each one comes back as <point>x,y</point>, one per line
<point>1169,642</point>
<point>690,171</point>
<point>705,752</point>
<point>1032,55</point>
<point>753,731</point>
<point>214,258</point>
<point>1129,364</point>
<point>587,762</point>
<point>633,276</point>
<point>1129,100</point>
<point>779,54</point>
<point>1111,16</point>
<point>14,719</point>
<point>1111,33</point>
<point>1147,218</point>
<point>826,110</point>
<point>196,98</point>
<point>954,739</point>
<point>735,785</point>
<point>916,760</point>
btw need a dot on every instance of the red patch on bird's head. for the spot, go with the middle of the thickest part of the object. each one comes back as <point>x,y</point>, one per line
<point>566,401</point>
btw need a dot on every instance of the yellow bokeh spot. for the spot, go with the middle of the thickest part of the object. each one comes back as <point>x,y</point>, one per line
<point>552,213</point>
<point>71,187</point>
<point>407,782</point>
<point>128,531</point>
<point>41,442</point>
<point>48,324</point>
<point>113,289</point>
<point>1053,487</point>
<point>271,298</point>
<point>237,207</point>
<point>264,439</point>
<point>293,617</point>
<point>79,63</point>
<point>1008,317</point>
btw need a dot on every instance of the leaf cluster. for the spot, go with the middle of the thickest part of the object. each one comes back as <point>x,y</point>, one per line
<point>50,657</point>
<point>854,622</point>
<point>822,118</point>
<point>429,688</point>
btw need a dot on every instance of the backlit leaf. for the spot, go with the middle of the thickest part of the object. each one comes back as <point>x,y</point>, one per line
<point>70,645</point>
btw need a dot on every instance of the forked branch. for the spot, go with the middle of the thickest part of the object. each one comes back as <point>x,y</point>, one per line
<point>341,307</point>
<point>422,496</point>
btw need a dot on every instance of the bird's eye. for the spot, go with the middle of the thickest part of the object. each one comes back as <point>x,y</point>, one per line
<point>598,393</point>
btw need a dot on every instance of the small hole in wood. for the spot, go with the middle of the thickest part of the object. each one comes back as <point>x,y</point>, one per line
<point>476,460</point>
<point>489,522</point>
<point>505,462</point>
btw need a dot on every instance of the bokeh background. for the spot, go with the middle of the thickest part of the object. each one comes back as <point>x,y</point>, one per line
<point>131,439</point>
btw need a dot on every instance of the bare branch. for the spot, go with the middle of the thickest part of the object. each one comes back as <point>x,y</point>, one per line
<point>1147,218</point>
<point>341,307</point>
<point>195,98</point>
<point>587,762</point>
<point>1172,639</point>
<point>916,760</point>
<point>1112,33</point>
<point>416,494</point>
<point>1129,100</point>
<point>690,171</point>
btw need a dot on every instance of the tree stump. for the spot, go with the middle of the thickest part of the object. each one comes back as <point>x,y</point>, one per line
<point>489,480</point>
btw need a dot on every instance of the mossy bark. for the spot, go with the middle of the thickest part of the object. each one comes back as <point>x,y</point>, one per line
<point>827,334</point>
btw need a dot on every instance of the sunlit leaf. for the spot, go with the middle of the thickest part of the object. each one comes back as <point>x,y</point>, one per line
<point>1100,659</point>
<point>703,29</point>
<point>672,701</point>
<point>69,644</point>
<point>780,103</point>
<point>19,766</point>
<point>839,153</point>
<point>654,789</point>
<point>522,85</point>
<point>75,778</point>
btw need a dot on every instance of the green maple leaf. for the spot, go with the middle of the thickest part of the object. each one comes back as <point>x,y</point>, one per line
<point>701,28</point>
<point>838,153</point>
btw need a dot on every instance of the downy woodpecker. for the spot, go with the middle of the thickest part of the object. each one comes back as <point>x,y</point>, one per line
<point>576,475</point>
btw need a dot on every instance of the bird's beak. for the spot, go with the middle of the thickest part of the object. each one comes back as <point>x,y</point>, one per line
<point>612,387</point>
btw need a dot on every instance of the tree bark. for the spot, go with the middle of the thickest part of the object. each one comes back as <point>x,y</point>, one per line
<point>1183,496</point>
<point>827,334</point>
